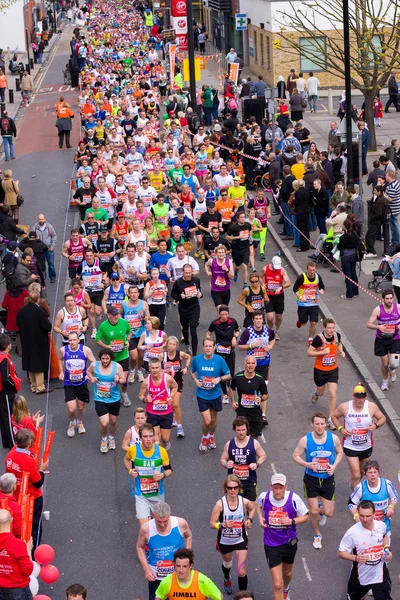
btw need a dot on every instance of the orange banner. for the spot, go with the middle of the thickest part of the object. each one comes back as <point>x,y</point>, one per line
<point>23,490</point>
<point>38,445</point>
<point>47,448</point>
<point>234,72</point>
<point>27,517</point>
<point>172,55</point>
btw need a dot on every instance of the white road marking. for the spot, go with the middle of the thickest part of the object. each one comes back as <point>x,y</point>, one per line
<point>306,569</point>
<point>263,439</point>
<point>273,468</point>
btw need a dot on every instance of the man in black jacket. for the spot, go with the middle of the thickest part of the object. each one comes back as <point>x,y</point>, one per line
<point>375,174</point>
<point>286,190</point>
<point>8,229</point>
<point>380,212</point>
<point>393,92</point>
<point>38,247</point>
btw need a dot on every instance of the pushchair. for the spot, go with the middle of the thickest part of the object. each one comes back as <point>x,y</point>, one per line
<point>328,249</point>
<point>382,276</point>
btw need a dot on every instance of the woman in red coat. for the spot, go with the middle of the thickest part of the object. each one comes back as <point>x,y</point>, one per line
<point>12,303</point>
<point>378,113</point>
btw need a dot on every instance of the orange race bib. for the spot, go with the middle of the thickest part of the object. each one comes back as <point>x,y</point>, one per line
<point>241,471</point>
<point>275,518</point>
<point>191,292</point>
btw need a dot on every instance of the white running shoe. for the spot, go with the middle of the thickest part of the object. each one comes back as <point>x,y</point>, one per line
<point>330,424</point>
<point>385,385</point>
<point>393,375</point>
<point>174,423</point>
<point>317,542</point>
<point>104,447</point>
<point>126,400</point>
<point>111,443</point>
<point>167,446</point>
<point>71,429</point>
<point>286,594</point>
<point>94,332</point>
<point>322,519</point>
<point>179,432</point>
<point>131,376</point>
<point>225,400</point>
<point>140,376</point>
<point>203,444</point>
<point>211,442</point>
<point>81,427</point>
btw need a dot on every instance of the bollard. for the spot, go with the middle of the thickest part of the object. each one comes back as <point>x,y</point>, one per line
<point>2,109</point>
<point>330,101</point>
<point>17,85</point>
<point>28,68</point>
<point>35,57</point>
<point>11,96</point>
<point>31,63</point>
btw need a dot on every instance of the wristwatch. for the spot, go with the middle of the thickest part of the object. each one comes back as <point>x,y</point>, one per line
<point>293,522</point>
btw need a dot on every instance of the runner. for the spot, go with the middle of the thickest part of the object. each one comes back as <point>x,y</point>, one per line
<point>133,269</point>
<point>251,392</point>
<point>307,287</point>
<point>157,392</point>
<point>324,348</point>
<point>211,244</point>
<point>135,311</point>
<point>385,319</point>
<point>185,582</point>
<point>229,518</point>
<point>208,370</point>
<point>220,269</point>
<point>106,250</point>
<point>253,299</point>
<point>323,453</point>
<point>242,456</point>
<point>106,375</point>
<point>276,281</point>
<point>74,250</point>
<point>81,297</point>
<point>114,334</point>
<point>186,291</point>
<point>258,341</point>
<point>155,292</point>
<point>152,342</point>
<point>172,363</point>
<point>72,362</point>
<point>148,464</point>
<point>71,318</point>
<point>279,512</point>
<point>365,544</point>
<point>93,283</point>
<point>158,539</point>
<point>357,428</point>
<point>132,437</point>
<point>239,236</point>
<point>263,212</point>
<point>115,294</point>
<point>226,332</point>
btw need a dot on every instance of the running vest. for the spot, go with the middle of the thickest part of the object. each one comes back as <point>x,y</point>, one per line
<point>135,437</point>
<point>116,298</point>
<point>159,295</point>
<point>155,347</point>
<point>79,298</point>
<point>79,251</point>
<point>74,366</point>
<point>92,230</point>
<point>152,239</point>
<point>273,280</point>
<point>390,320</point>
<point>220,281</point>
<point>261,210</point>
<point>322,454</point>
<point>186,199</point>
<point>173,365</point>
<point>262,356</point>
<point>156,181</point>
<point>92,276</point>
<point>255,300</point>
<point>106,390</point>
<point>327,362</point>
<point>190,181</point>
<point>122,232</point>
<point>276,534</point>
<point>72,323</point>
<point>146,467</point>
<point>161,548</point>
<point>380,498</point>
<point>12,373</point>
<point>358,422</point>
<point>192,591</point>
<point>308,292</point>
<point>161,215</point>
<point>159,394</point>
<point>135,320</point>
<point>232,535</point>
<point>243,457</point>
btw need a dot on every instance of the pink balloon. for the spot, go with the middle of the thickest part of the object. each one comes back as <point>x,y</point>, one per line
<point>44,554</point>
<point>42,597</point>
<point>49,573</point>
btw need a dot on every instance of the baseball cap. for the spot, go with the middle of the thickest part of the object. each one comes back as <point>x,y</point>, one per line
<point>180,210</point>
<point>236,178</point>
<point>114,276</point>
<point>112,310</point>
<point>12,245</point>
<point>276,262</point>
<point>278,478</point>
<point>120,214</point>
<point>359,391</point>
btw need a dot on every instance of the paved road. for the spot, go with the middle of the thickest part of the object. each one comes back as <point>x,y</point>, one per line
<point>92,524</point>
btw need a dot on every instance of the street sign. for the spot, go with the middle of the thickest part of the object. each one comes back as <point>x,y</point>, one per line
<point>271,107</point>
<point>341,130</point>
<point>169,35</point>
<point>241,21</point>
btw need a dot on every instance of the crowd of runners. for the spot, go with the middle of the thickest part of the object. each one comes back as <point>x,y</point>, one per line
<point>161,209</point>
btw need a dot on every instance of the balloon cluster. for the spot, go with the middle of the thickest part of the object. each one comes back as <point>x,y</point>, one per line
<point>44,554</point>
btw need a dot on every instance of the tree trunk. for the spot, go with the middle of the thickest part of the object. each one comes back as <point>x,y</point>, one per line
<point>369,97</point>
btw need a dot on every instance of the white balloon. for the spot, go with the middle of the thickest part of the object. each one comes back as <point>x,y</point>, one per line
<point>33,585</point>
<point>36,569</point>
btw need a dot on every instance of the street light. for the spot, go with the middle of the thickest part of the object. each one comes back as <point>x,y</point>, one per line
<point>347,81</point>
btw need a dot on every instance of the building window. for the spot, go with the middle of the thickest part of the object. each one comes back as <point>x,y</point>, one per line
<point>262,49</point>
<point>255,47</point>
<point>376,44</point>
<point>268,40</point>
<point>310,47</point>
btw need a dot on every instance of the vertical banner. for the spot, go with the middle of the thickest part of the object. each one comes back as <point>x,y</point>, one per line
<point>23,490</point>
<point>186,72</point>
<point>47,448</point>
<point>27,518</point>
<point>234,72</point>
<point>38,445</point>
<point>172,54</point>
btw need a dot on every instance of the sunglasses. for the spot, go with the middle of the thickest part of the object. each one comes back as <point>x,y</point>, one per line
<point>232,487</point>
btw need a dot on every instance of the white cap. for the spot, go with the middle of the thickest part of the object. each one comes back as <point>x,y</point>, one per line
<point>276,262</point>
<point>278,478</point>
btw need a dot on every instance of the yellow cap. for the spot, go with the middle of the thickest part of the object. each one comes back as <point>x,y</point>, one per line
<point>359,390</point>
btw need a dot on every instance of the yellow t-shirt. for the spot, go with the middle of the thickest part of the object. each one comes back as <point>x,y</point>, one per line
<point>298,170</point>
<point>131,453</point>
<point>237,193</point>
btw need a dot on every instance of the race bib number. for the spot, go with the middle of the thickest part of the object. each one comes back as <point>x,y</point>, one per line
<point>78,257</point>
<point>275,518</point>
<point>220,281</point>
<point>241,471</point>
<point>272,286</point>
<point>244,234</point>
<point>235,531</point>
<point>148,486</point>
<point>260,352</point>
<point>160,405</point>
<point>247,401</point>
<point>322,463</point>
<point>76,375</point>
<point>374,554</point>
<point>223,349</point>
<point>104,389</point>
<point>117,345</point>
<point>310,295</point>
<point>191,292</point>
<point>359,436</point>
<point>134,321</point>
<point>154,352</point>
<point>329,360</point>
<point>71,328</point>
<point>207,383</point>
<point>164,568</point>
<point>158,295</point>
<point>379,515</point>
<point>257,304</point>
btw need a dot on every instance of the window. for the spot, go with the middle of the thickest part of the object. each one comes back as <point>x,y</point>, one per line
<point>255,47</point>
<point>268,40</point>
<point>262,49</point>
<point>310,47</point>
<point>376,44</point>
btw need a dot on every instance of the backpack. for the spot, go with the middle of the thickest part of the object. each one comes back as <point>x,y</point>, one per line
<point>5,125</point>
<point>232,104</point>
<point>8,269</point>
<point>303,103</point>
<point>360,251</point>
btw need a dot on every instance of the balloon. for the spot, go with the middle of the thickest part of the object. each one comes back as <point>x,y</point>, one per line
<point>44,554</point>
<point>49,573</point>
<point>42,597</point>
<point>36,569</point>
<point>33,585</point>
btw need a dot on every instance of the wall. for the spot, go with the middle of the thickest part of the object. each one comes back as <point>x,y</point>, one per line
<point>12,28</point>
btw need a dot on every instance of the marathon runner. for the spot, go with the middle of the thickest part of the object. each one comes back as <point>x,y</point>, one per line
<point>152,342</point>
<point>357,428</point>
<point>251,392</point>
<point>93,283</point>
<point>253,299</point>
<point>263,212</point>
<point>307,288</point>
<point>231,516</point>
<point>242,456</point>
<point>276,281</point>
<point>115,294</point>
<point>226,332</point>
<point>132,437</point>
<point>135,311</point>
<point>323,453</point>
<point>71,318</point>
<point>172,363</point>
<point>220,269</point>
<point>74,250</point>
<point>186,291</point>
<point>239,236</point>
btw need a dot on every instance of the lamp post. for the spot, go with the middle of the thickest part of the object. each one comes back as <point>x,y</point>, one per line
<point>270,95</point>
<point>347,81</point>
<point>190,36</point>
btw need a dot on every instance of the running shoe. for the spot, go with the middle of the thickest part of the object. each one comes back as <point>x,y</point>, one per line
<point>196,254</point>
<point>104,447</point>
<point>167,446</point>
<point>126,400</point>
<point>314,398</point>
<point>140,376</point>
<point>245,285</point>
<point>317,542</point>
<point>94,332</point>
<point>111,443</point>
<point>81,427</point>
<point>182,339</point>
<point>322,519</point>
<point>298,324</point>
<point>211,442</point>
<point>235,280</point>
<point>262,256</point>
<point>277,336</point>
<point>174,423</point>
<point>225,400</point>
<point>385,385</point>
<point>71,429</point>
<point>264,421</point>
<point>309,341</point>
<point>203,444</point>
<point>179,432</point>
<point>131,376</point>
<point>286,594</point>
<point>393,375</point>
<point>228,586</point>
<point>331,424</point>
<point>188,350</point>
<point>202,256</point>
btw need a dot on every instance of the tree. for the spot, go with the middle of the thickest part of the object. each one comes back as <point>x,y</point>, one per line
<point>5,4</point>
<point>374,43</point>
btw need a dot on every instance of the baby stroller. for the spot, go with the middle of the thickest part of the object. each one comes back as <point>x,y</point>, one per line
<point>382,276</point>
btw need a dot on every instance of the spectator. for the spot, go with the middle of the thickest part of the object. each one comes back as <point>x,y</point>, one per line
<point>392,152</point>
<point>357,208</point>
<point>26,88</point>
<point>296,109</point>
<point>16,562</point>
<point>393,193</point>
<point>8,487</point>
<point>231,56</point>
<point>76,591</point>
<point>347,246</point>
<point>23,276</point>
<point>38,247</point>
<point>312,87</point>
<point>11,191</point>
<point>291,82</point>
<point>378,216</point>
<point>393,92</point>
<point>47,235</point>
<point>8,131</point>
<point>281,86</point>
<point>301,204</point>
<point>375,173</point>
<point>8,228</point>
<point>365,139</point>
<point>10,385</point>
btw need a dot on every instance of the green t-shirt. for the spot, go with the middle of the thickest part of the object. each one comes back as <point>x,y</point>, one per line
<point>255,234</point>
<point>206,586</point>
<point>115,337</point>
<point>175,175</point>
<point>99,215</point>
